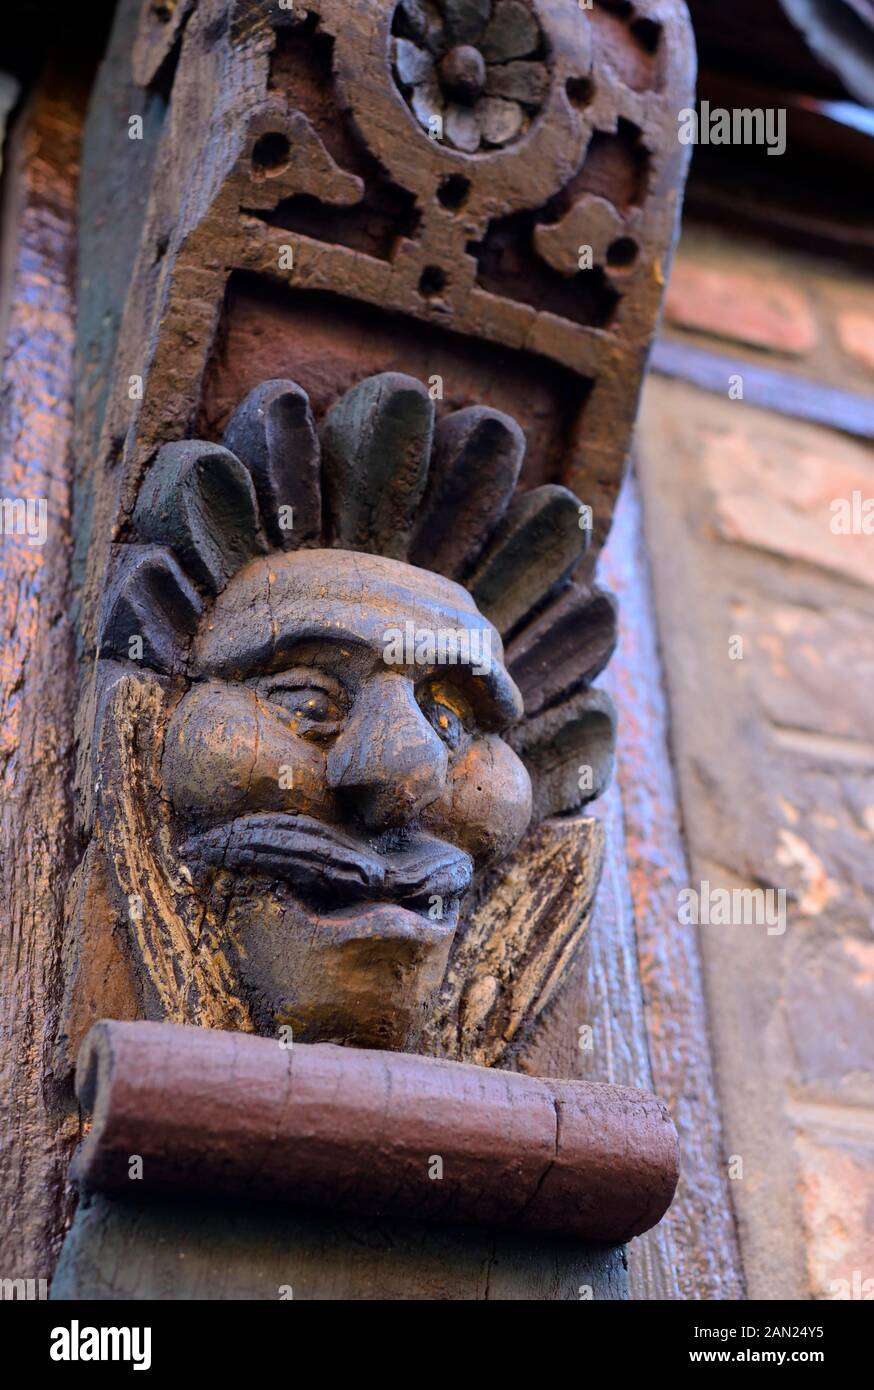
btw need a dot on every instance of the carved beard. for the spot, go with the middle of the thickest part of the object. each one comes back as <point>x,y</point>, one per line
<point>183,971</point>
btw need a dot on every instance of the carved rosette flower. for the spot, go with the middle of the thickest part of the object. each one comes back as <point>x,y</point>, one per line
<point>477,65</point>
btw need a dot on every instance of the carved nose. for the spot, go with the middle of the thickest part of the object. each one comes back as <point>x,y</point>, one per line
<point>388,761</point>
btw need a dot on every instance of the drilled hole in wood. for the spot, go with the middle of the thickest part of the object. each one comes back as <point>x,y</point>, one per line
<point>453,191</point>
<point>580,90</point>
<point>433,281</point>
<point>271,154</point>
<point>622,253</point>
<point>647,33</point>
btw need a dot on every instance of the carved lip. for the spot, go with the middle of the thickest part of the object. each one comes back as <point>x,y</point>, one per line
<point>311,855</point>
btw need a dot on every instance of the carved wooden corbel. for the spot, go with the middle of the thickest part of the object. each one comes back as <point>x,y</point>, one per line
<point>367,412</point>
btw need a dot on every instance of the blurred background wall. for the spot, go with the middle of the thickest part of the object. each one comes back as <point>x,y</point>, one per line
<point>757,419</point>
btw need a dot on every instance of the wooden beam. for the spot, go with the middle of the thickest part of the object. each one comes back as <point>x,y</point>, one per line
<point>795,396</point>
<point>37,693</point>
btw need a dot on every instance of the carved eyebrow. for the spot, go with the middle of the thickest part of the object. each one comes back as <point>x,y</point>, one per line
<point>493,695</point>
<point>336,654</point>
<point>269,655</point>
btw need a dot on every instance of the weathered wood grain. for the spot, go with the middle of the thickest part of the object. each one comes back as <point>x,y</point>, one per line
<point>697,1242</point>
<point>37,686</point>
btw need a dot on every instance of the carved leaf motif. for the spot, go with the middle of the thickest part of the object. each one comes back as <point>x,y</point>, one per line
<point>377,444</point>
<point>414,65</point>
<point>474,470</point>
<point>463,128</point>
<point>274,433</point>
<point>537,546</point>
<point>466,19</point>
<point>569,751</point>
<point>186,966</point>
<point>499,120</point>
<point>151,600</point>
<point>567,645</point>
<point>526,82</point>
<point>199,500</point>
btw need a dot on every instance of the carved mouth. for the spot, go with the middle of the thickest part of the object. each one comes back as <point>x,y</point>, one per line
<point>323,863</point>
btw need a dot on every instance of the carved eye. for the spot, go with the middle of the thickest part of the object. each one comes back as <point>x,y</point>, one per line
<point>446,711</point>
<point>310,707</point>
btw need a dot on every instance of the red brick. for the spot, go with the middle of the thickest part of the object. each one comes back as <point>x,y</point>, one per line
<point>835,1190</point>
<point>757,310</point>
<point>773,483</point>
<point>856,334</point>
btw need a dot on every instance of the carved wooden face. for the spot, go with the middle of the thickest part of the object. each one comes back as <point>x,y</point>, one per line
<point>310,739</point>
<point>338,764</point>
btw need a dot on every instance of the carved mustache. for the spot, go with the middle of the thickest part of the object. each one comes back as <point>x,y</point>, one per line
<point>322,856</point>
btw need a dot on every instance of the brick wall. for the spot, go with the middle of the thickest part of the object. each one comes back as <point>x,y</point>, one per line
<point>766,617</point>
